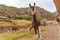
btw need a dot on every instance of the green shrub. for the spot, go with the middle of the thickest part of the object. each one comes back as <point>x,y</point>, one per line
<point>24,18</point>
<point>19,17</point>
<point>28,18</point>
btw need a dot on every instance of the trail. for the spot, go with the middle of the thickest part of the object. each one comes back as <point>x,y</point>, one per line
<point>59,33</point>
<point>51,33</point>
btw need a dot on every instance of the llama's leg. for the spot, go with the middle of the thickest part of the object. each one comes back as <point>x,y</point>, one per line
<point>31,28</point>
<point>39,34</point>
<point>36,34</point>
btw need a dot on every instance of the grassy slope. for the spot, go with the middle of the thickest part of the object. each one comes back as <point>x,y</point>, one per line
<point>18,23</point>
<point>22,33</point>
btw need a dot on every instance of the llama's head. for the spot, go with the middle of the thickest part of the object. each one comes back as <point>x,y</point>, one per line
<point>32,8</point>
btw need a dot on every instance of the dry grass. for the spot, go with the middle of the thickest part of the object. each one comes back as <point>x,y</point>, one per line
<point>22,35</point>
<point>17,22</point>
<point>22,22</point>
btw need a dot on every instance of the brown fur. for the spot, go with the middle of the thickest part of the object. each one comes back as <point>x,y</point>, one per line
<point>35,22</point>
<point>58,20</point>
<point>15,29</point>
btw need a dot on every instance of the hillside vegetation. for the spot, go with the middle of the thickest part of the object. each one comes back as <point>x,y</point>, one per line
<point>19,13</point>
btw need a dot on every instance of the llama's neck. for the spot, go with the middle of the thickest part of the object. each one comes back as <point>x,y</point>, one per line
<point>34,18</point>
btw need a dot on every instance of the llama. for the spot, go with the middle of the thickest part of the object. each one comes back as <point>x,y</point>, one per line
<point>57,4</point>
<point>35,23</point>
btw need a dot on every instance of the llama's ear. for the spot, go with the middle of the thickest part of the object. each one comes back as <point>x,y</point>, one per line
<point>30,5</point>
<point>34,3</point>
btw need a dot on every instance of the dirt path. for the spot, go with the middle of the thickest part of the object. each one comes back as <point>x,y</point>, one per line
<point>51,33</point>
<point>59,33</point>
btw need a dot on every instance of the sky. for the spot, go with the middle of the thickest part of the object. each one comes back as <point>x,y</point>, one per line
<point>46,4</point>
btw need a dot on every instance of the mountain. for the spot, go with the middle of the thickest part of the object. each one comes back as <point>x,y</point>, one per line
<point>12,12</point>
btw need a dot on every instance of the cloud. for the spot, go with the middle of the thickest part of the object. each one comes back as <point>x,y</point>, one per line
<point>47,4</point>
